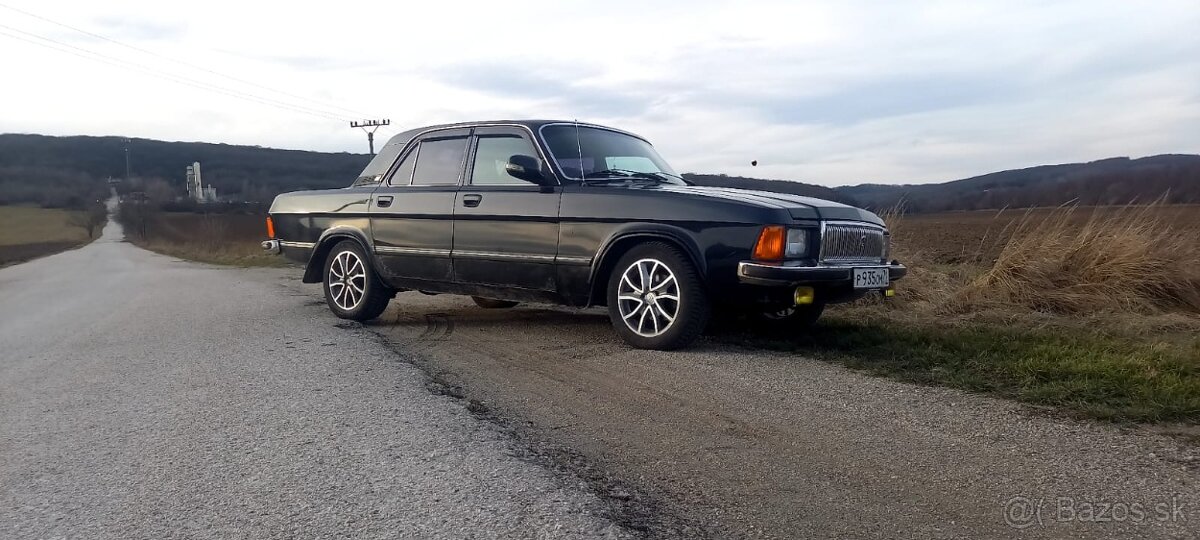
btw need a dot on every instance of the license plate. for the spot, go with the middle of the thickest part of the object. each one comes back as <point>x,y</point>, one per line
<point>871,278</point>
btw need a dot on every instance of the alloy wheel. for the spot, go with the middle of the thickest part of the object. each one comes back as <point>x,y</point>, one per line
<point>347,280</point>
<point>648,297</point>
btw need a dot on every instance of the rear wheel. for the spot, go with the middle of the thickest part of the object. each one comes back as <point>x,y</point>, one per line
<point>656,299</point>
<point>491,303</point>
<point>352,290</point>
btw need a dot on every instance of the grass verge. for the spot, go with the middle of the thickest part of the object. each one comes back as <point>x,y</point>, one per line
<point>225,239</point>
<point>1092,311</point>
<point>28,232</point>
<point>1088,373</point>
<point>241,256</point>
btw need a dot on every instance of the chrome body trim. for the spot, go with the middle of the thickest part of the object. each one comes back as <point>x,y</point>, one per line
<point>496,255</point>
<point>432,252</point>
<point>582,261</point>
<point>305,245</point>
<point>782,274</point>
<point>742,266</point>
<point>466,254</point>
<point>836,246</point>
<point>535,138</point>
<point>272,247</point>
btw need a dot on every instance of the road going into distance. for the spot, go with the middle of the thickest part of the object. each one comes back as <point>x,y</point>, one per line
<point>146,397</point>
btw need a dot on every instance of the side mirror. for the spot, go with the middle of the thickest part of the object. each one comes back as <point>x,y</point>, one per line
<point>527,168</point>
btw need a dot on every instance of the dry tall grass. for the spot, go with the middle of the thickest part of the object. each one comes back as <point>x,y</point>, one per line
<point>1126,259</point>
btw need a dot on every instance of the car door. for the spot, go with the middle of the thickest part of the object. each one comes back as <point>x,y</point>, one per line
<point>505,229</point>
<point>412,212</point>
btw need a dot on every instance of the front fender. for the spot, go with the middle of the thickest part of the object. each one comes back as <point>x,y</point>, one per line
<point>626,236</point>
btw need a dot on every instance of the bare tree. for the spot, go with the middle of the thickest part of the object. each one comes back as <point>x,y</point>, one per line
<point>89,219</point>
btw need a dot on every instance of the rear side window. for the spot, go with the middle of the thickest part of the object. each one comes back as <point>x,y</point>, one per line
<point>492,154</point>
<point>403,174</point>
<point>439,162</point>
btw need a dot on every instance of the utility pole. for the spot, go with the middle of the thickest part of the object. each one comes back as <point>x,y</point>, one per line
<point>370,126</point>
<point>126,161</point>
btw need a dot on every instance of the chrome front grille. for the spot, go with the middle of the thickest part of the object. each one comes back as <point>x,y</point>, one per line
<point>850,243</point>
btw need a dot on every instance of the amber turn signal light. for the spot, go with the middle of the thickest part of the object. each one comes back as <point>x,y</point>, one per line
<point>270,228</point>
<point>770,243</point>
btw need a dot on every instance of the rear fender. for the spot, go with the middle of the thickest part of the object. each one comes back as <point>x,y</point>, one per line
<point>315,269</point>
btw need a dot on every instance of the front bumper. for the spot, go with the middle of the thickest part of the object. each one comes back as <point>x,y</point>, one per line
<point>790,274</point>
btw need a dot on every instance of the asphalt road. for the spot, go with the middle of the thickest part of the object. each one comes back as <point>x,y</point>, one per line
<point>146,397</point>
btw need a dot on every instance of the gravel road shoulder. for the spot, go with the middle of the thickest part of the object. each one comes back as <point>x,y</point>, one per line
<point>734,442</point>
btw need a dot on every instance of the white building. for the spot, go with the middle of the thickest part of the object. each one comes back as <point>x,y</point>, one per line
<point>195,186</point>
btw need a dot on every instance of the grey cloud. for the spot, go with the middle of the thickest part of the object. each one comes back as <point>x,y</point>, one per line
<point>884,98</point>
<point>563,85</point>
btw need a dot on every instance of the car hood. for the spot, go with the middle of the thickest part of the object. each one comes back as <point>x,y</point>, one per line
<point>799,206</point>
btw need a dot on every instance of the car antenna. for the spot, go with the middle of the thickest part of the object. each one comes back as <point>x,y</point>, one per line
<point>579,148</point>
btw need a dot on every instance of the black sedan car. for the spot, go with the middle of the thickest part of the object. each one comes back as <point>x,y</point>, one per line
<point>580,215</point>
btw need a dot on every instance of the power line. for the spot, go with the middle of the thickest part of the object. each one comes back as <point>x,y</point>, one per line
<point>184,63</point>
<point>178,79</point>
<point>104,59</point>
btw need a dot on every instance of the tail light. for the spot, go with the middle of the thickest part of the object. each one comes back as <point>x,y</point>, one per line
<point>270,228</point>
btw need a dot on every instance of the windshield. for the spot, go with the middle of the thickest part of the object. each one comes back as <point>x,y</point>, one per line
<point>606,154</point>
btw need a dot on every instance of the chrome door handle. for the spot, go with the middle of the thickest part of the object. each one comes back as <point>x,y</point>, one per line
<point>472,200</point>
<point>383,201</point>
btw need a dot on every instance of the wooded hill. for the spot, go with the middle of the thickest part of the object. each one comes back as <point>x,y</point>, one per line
<point>1110,181</point>
<point>778,186</point>
<point>68,171</point>
<point>44,170</point>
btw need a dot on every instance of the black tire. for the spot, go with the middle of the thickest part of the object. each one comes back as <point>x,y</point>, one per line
<point>491,303</point>
<point>358,307</point>
<point>789,319</point>
<point>692,308</point>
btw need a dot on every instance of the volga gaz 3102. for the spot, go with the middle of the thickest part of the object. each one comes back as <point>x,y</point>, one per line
<point>580,215</point>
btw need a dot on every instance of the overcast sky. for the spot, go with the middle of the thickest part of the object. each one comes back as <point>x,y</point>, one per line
<point>825,92</point>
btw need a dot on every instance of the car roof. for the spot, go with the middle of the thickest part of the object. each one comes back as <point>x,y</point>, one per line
<point>394,145</point>
<point>403,138</point>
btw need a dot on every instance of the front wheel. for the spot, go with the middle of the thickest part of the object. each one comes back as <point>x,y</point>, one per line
<point>352,290</point>
<point>656,299</point>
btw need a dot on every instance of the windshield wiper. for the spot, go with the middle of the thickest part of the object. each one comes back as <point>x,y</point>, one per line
<point>624,174</point>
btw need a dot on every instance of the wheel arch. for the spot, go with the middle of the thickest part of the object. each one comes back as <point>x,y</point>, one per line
<point>624,240</point>
<point>314,270</point>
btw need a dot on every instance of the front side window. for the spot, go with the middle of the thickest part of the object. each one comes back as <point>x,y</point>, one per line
<point>492,153</point>
<point>588,152</point>
<point>439,161</point>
